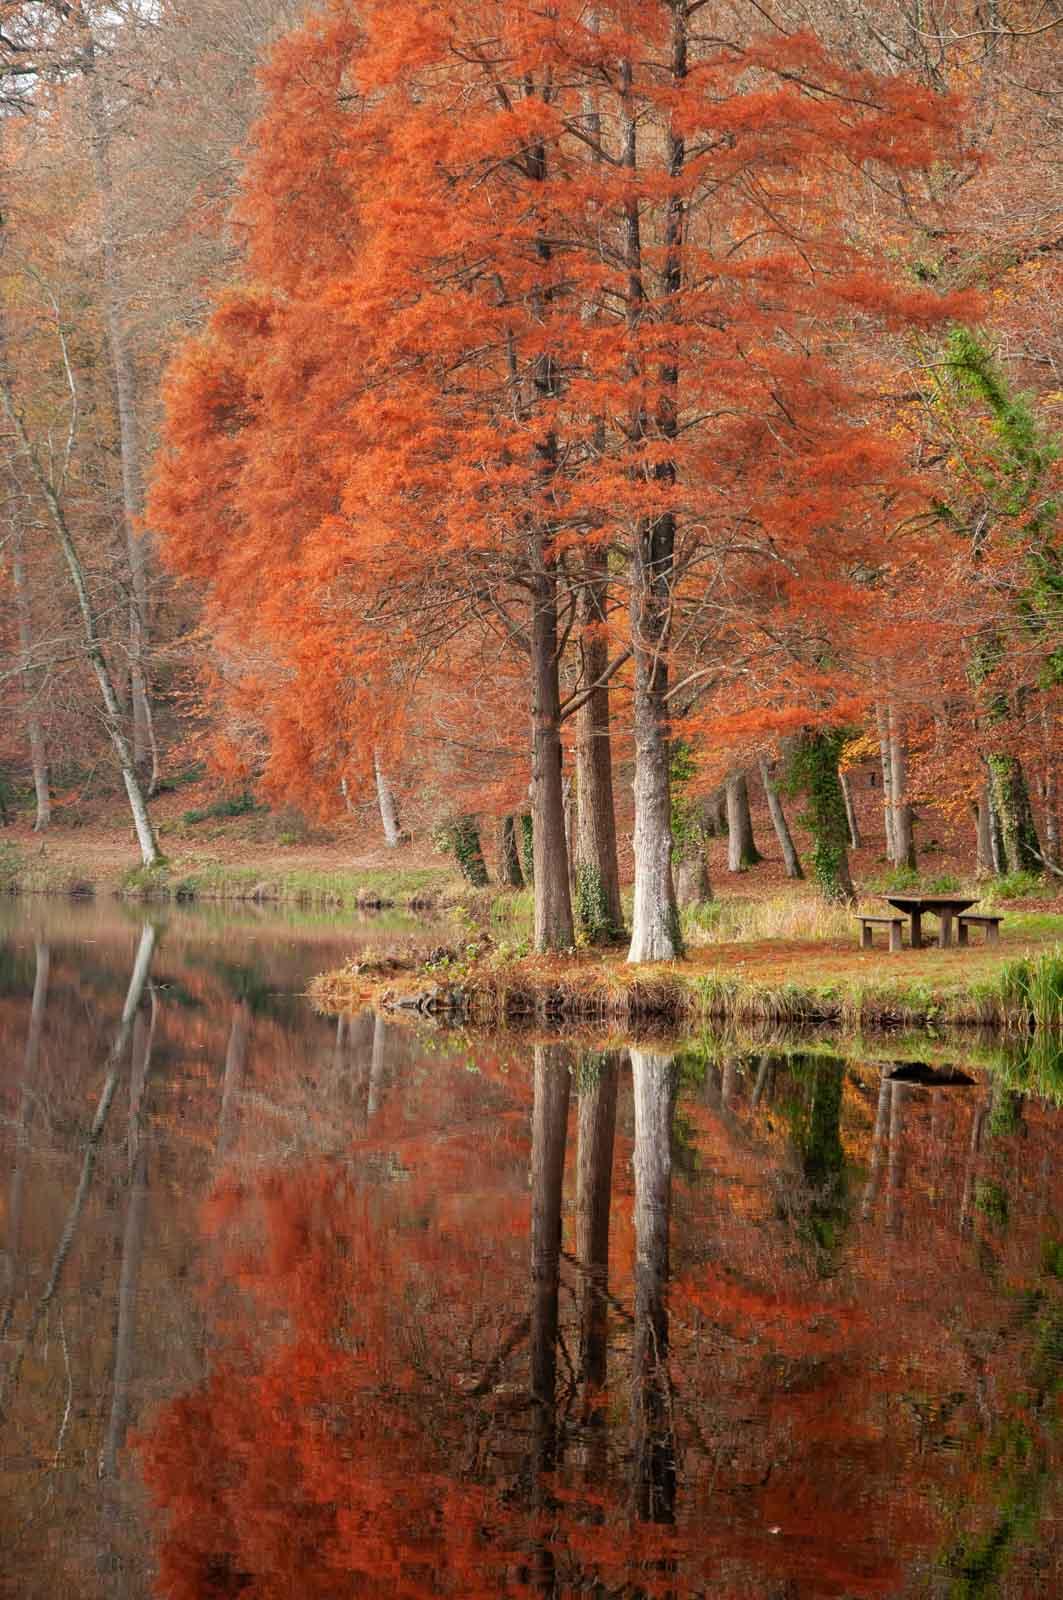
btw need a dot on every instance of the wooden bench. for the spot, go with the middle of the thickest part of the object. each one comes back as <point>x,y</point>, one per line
<point>894,924</point>
<point>970,920</point>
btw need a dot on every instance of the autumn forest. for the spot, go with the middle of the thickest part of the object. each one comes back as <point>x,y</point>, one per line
<point>550,422</point>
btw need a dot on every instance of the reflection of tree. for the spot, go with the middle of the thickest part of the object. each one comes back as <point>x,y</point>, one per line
<point>27,1098</point>
<point>599,1079</point>
<point>141,967</point>
<point>654,1470</point>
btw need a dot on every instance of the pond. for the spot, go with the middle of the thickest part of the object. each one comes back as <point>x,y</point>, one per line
<point>304,1306</point>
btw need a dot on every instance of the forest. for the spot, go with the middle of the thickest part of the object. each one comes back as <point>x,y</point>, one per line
<point>537,427</point>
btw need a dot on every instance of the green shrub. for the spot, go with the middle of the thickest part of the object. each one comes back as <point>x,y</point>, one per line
<point>1015,886</point>
<point>241,805</point>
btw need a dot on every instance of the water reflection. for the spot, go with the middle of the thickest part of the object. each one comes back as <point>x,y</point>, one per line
<point>309,1306</point>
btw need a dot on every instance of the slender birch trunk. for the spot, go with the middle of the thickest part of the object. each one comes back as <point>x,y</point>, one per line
<point>389,811</point>
<point>900,810</point>
<point>145,831</point>
<point>742,852</point>
<point>791,860</point>
<point>882,724</point>
<point>653,1441</point>
<point>116,314</point>
<point>855,840</point>
<point>34,731</point>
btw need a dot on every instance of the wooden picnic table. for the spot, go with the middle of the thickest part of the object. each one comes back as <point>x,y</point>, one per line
<point>945,906</point>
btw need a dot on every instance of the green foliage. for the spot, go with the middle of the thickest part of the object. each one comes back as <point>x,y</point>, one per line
<point>148,882</point>
<point>11,864</point>
<point>992,1201</point>
<point>592,907</point>
<point>1034,986</point>
<point>180,780</point>
<point>240,805</point>
<point>461,838</point>
<point>1015,886</point>
<point>527,848</point>
<point>688,833</point>
<point>813,770</point>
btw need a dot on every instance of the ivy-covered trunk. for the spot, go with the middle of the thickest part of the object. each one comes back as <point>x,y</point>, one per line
<point>599,915</point>
<point>463,837</point>
<point>814,770</point>
<point>1022,849</point>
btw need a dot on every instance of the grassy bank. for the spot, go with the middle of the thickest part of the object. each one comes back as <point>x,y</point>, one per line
<point>266,878</point>
<point>1015,985</point>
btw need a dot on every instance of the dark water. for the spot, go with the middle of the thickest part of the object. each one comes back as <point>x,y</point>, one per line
<point>292,1306</point>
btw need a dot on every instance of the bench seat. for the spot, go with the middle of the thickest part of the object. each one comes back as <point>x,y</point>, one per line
<point>971,919</point>
<point>867,924</point>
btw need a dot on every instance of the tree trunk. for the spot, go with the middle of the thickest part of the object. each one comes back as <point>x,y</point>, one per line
<point>509,873</point>
<point>598,1084</point>
<point>389,811</point>
<point>692,885</point>
<point>34,731</point>
<point>1050,792</point>
<point>878,1142</point>
<point>378,1063</point>
<point>464,836</point>
<point>900,810</point>
<point>116,319</point>
<point>527,848</point>
<point>553,903</point>
<point>653,1453</point>
<point>655,930</point>
<point>882,723</point>
<point>597,875</point>
<point>983,821</point>
<point>549,1133</point>
<point>855,841</point>
<point>1022,849</point>
<point>149,849</point>
<point>741,850</point>
<point>818,757</point>
<point>790,857</point>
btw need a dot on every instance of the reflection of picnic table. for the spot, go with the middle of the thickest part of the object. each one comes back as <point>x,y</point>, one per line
<point>945,906</point>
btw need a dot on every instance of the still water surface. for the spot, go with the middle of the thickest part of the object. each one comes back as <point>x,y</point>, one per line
<point>311,1307</point>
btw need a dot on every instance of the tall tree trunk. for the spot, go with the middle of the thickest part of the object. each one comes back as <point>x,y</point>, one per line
<point>900,810</point>
<point>549,1133</point>
<point>983,821</point>
<point>509,873</point>
<point>553,902</point>
<point>597,871</point>
<point>30,681</point>
<point>653,1453</point>
<point>790,857</point>
<point>741,849</point>
<point>878,1142</point>
<point>389,811</point>
<point>1022,849</point>
<point>855,841</point>
<point>116,316</point>
<point>598,1084</point>
<point>692,883</point>
<point>882,723</point>
<point>655,929</point>
<point>149,849</point>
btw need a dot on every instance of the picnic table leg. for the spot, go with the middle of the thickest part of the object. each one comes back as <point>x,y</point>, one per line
<point>895,936</point>
<point>963,932</point>
<point>917,930</point>
<point>865,936</point>
<point>946,929</point>
<point>992,933</point>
